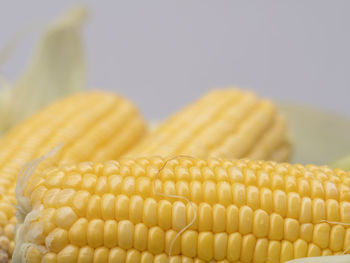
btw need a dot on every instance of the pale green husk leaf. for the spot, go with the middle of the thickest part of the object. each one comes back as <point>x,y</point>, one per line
<point>318,137</point>
<point>56,69</point>
<point>328,259</point>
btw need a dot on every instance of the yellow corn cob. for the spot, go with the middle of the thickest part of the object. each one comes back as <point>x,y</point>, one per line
<point>226,123</point>
<point>91,126</point>
<point>225,211</point>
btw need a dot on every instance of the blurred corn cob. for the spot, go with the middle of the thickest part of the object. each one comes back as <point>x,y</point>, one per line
<point>226,211</point>
<point>226,123</point>
<point>91,126</point>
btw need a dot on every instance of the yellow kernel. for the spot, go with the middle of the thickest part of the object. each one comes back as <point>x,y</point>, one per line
<point>253,197</point>
<point>205,245</point>
<point>77,233</point>
<point>94,207</point>
<point>238,192</point>
<point>56,240</point>
<point>80,201</point>
<point>224,193</point>
<point>287,251</point>
<point>318,210</point>
<point>294,205</point>
<point>178,216</point>
<point>274,251</point>
<point>140,237</point>
<point>156,238</point>
<point>189,240</point>
<point>101,255</point>
<point>95,231</point>
<point>108,207</point>
<point>49,258</point>
<point>332,210</point>
<point>110,236</point>
<point>125,234</point>
<point>205,217</point>
<point>121,207</point>
<point>313,250</point>
<point>336,240</point>
<point>219,218</point>
<point>132,256</point>
<point>245,220</point>
<point>291,229</point>
<point>266,200</point>
<point>232,218</point>
<point>135,209</point>
<point>321,235</point>
<point>65,217</point>
<point>276,227</point>
<point>248,246</point>
<point>345,212</point>
<point>150,212</point>
<point>170,239</point>
<point>234,246</point>
<point>261,223</point>
<point>220,246</point>
<point>306,232</point>
<point>300,248</point>
<point>69,254</point>
<point>117,255</point>
<point>280,202</point>
<point>260,252</point>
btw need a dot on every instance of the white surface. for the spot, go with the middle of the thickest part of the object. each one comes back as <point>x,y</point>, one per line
<point>164,54</point>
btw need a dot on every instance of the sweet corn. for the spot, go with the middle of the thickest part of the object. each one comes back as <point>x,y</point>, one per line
<point>91,126</point>
<point>193,210</point>
<point>226,123</point>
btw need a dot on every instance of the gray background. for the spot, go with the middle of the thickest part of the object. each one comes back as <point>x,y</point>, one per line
<point>164,54</point>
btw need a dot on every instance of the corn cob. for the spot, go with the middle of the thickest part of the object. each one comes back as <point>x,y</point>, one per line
<point>224,211</point>
<point>226,123</point>
<point>91,126</point>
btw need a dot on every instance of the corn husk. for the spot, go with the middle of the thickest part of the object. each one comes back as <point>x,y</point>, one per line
<point>56,69</point>
<point>326,259</point>
<point>318,137</point>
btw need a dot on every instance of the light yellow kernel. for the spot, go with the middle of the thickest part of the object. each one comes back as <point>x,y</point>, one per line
<point>49,258</point>
<point>94,207</point>
<point>117,255</point>
<point>56,240</point>
<point>321,235</point>
<point>178,216</point>
<point>140,237</point>
<point>189,240</point>
<point>332,210</point>
<point>306,232</point>
<point>287,251</point>
<point>143,186</point>
<point>150,212</point>
<point>331,190</point>
<point>253,197</point>
<point>300,248</point>
<point>69,254</point>
<point>47,220</point>
<point>248,246</point>
<point>33,255</point>
<point>121,207</point>
<point>345,212</point>
<point>239,195</point>
<point>260,252</point>
<point>50,197</point>
<point>232,215</point>
<point>169,239</point>
<point>205,217</point>
<point>156,240</point>
<point>347,239</point>
<point>245,220</point>
<point>261,223</point>
<point>303,187</point>
<point>95,231</point>
<point>65,217</point>
<point>196,192</point>
<point>220,246</point>
<point>274,251</point>
<point>72,180</point>
<point>128,187</point>
<point>336,240</point>
<point>266,200</point>
<point>305,210</point>
<point>205,245</point>
<point>115,184</point>
<point>108,207</point>
<point>318,210</point>
<point>294,205</point>
<point>110,235</point>
<point>224,193</point>
<point>147,257</point>
<point>219,218</point>
<point>276,227</point>
<point>291,229</point>
<point>132,256</point>
<point>125,234</point>
<point>192,211</point>
<point>135,209</point>
<point>101,255</point>
<point>317,189</point>
<point>77,233</point>
<point>313,250</point>
<point>326,252</point>
<point>80,202</point>
<point>89,182</point>
<point>280,202</point>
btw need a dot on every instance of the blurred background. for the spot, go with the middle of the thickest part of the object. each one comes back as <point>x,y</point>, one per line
<point>164,54</point>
